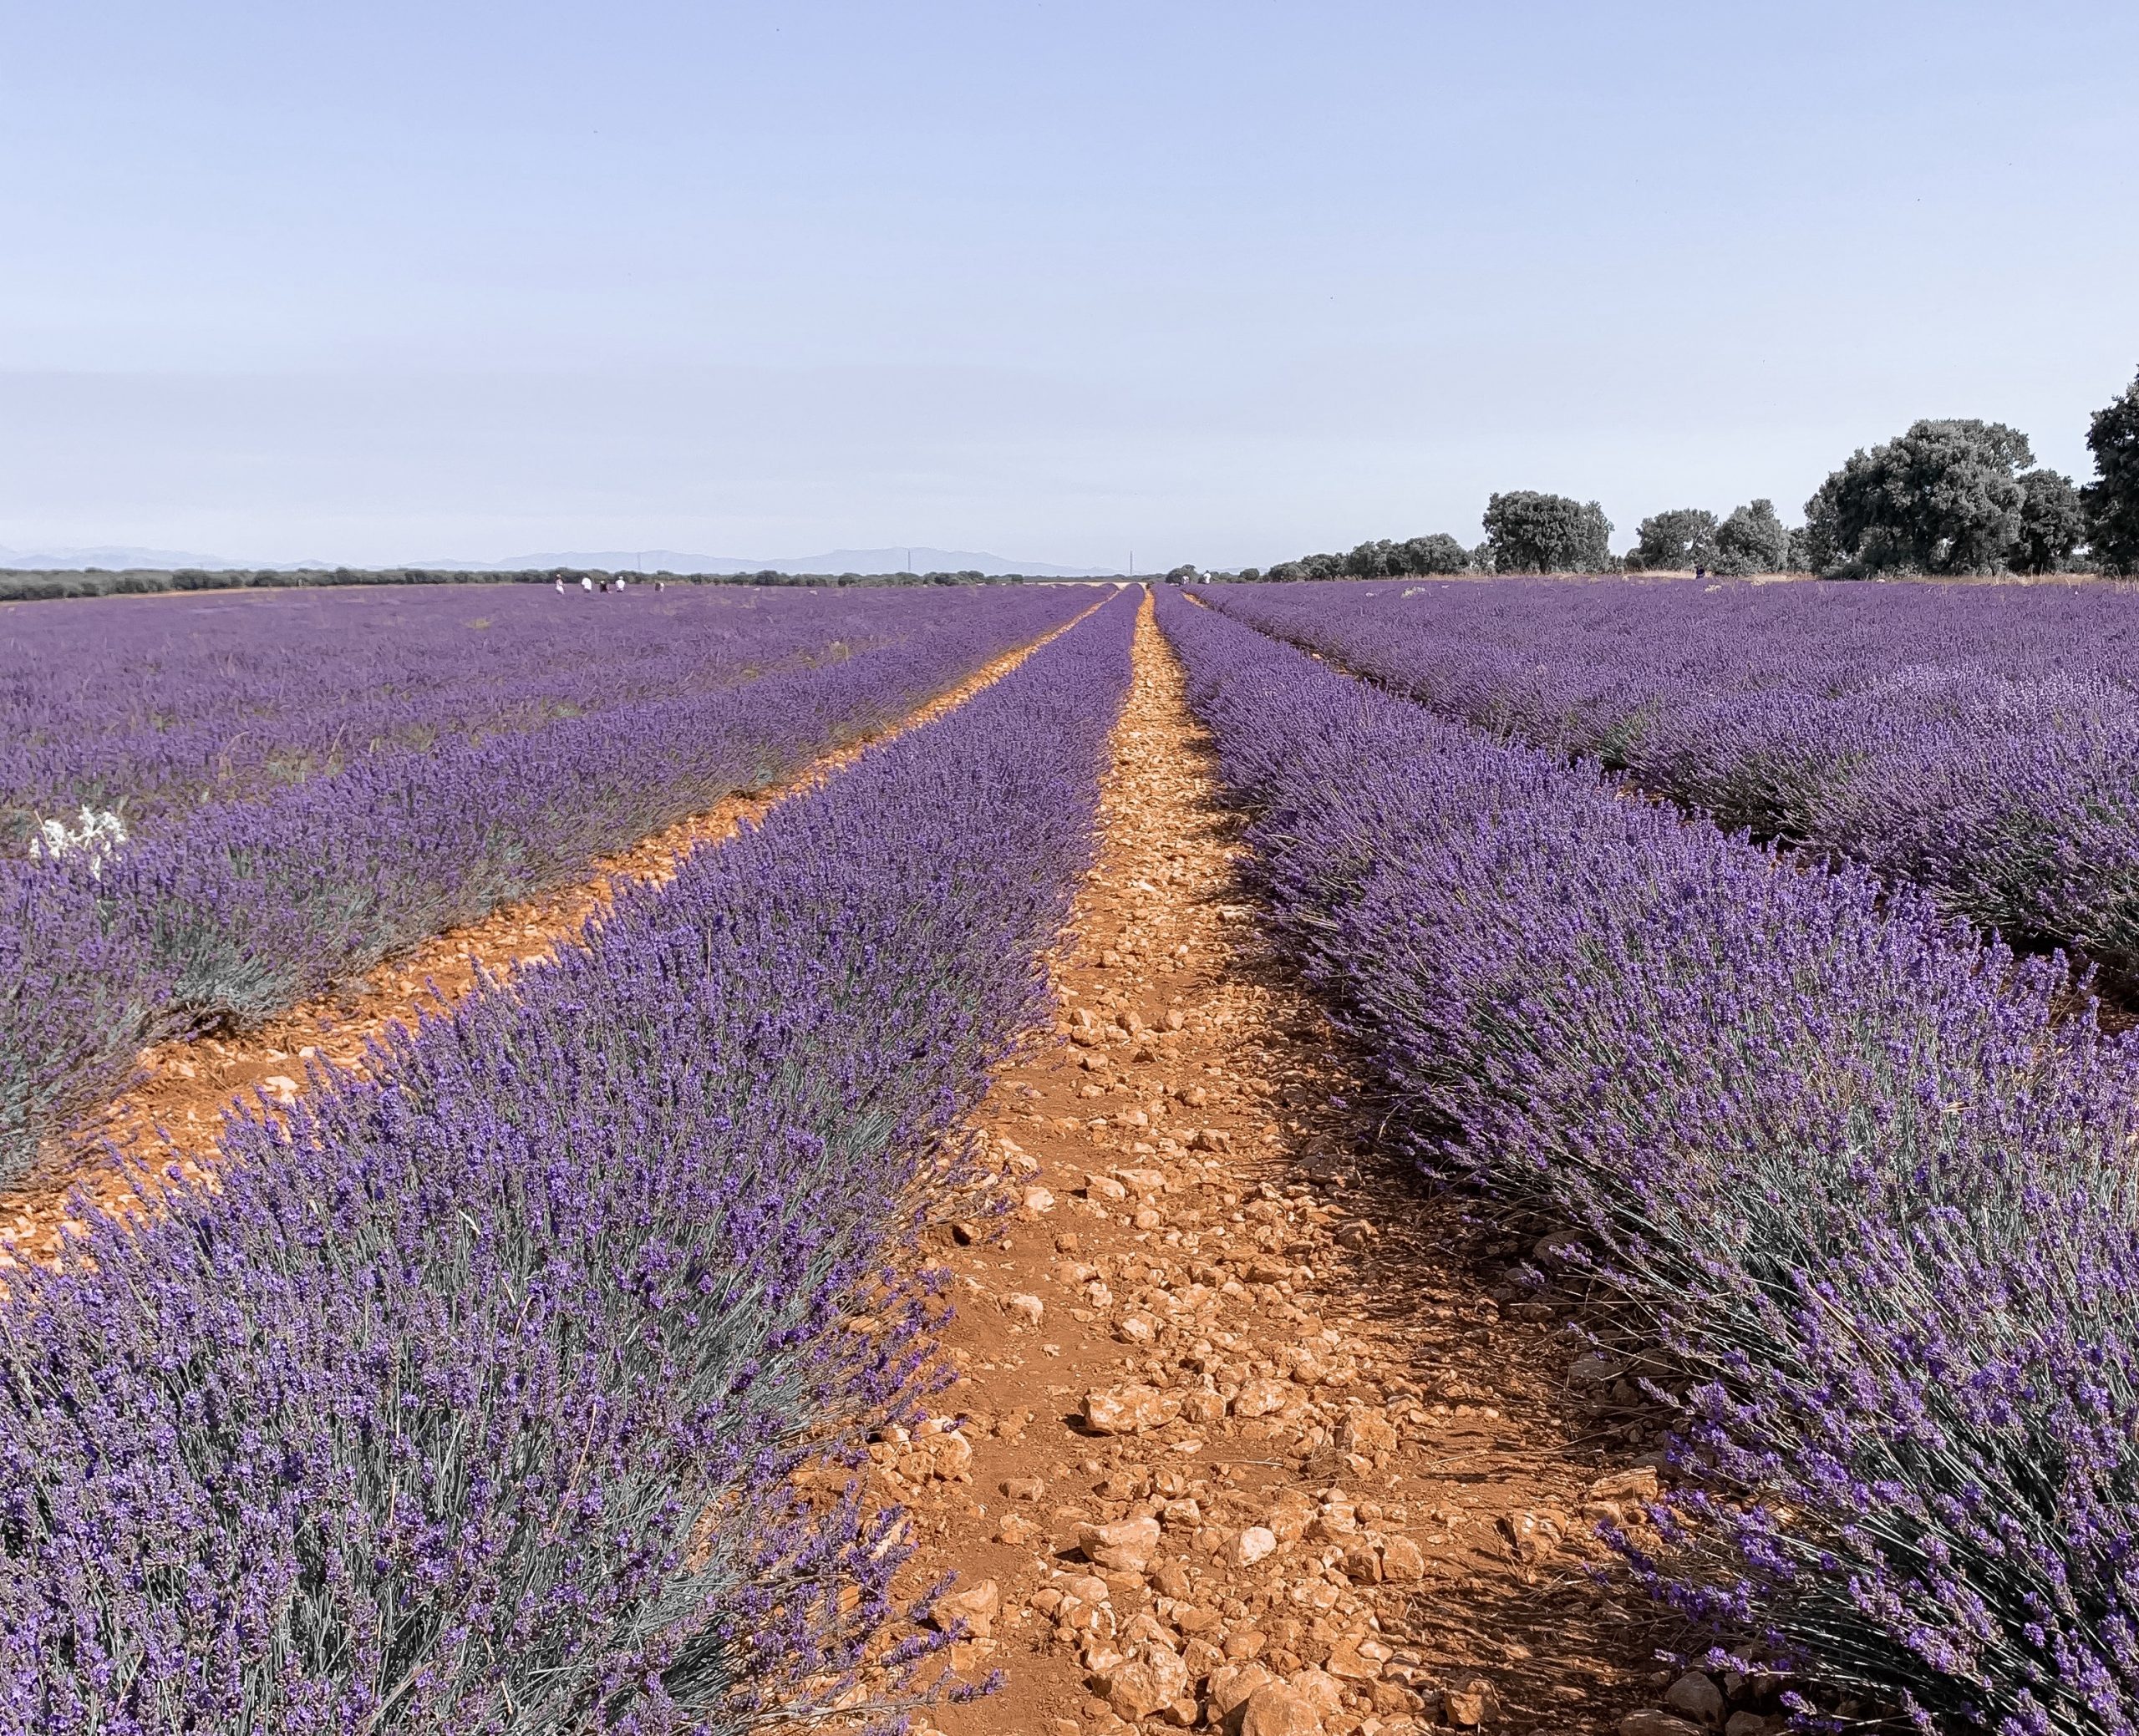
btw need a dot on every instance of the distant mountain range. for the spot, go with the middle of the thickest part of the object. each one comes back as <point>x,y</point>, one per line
<point>839,561</point>
<point>126,560</point>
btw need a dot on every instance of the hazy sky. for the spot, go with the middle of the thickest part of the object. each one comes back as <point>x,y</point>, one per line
<point>1219,283</point>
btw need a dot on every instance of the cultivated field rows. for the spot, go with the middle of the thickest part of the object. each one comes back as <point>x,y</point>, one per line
<point>1859,1177</point>
<point>174,1109</point>
<point>1234,1414</point>
<point>151,708</point>
<point>1980,743</point>
<point>421,1408</point>
<point>244,907</point>
<point>1281,1211</point>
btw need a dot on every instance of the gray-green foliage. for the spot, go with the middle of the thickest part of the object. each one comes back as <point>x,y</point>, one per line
<point>1384,559</point>
<point>2111,501</point>
<point>1944,498</point>
<point>1675,542</point>
<point>2052,523</point>
<point>1526,531</point>
<point>1381,559</point>
<point>1752,540</point>
<point>1437,553</point>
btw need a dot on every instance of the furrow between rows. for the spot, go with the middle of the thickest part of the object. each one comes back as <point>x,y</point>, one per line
<point>185,1091</point>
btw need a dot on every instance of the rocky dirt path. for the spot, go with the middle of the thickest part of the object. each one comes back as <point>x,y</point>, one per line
<point>176,1109</point>
<point>1239,1437</point>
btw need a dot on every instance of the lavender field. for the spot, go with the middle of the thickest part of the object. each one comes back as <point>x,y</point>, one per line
<point>1980,742</point>
<point>1046,871</point>
<point>368,818</point>
<point>149,707</point>
<point>486,1389</point>
<point>1865,1182</point>
<point>417,1416</point>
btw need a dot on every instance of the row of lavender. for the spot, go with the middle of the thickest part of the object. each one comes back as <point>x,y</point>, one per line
<point>1870,1192</point>
<point>247,907</point>
<point>1980,742</point>
<point>472,1400</point>
<point>145,710</point>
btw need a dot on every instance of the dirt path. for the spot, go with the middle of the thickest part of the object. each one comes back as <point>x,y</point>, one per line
<point>176,1108</point>
<point>1238,1411</point>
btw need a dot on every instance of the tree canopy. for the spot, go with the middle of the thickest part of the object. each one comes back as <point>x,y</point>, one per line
<point>2111,501</point>
<point>1944,497</point>
<point>1675,542</point>
<point>1526,531</point>
<point>2052,523</point>
<point>1438,553</point>
<point>1751,540</point>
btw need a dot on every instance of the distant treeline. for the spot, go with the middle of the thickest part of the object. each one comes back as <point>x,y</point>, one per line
<point>1949,498</point>
<point>29,586</point>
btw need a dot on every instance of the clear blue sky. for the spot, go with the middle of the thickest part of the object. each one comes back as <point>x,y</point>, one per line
<point>1221,284</point>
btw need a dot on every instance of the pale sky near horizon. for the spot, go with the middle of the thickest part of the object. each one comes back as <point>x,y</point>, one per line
<point>1219,283</point>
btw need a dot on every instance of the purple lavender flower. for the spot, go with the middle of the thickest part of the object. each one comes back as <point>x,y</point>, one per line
<point>470,1400</point>
<point>1981,742</point>
<point>1867,1183</point>
<point>234,908</point>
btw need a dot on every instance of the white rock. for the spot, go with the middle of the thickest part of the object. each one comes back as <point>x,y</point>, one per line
<point>1126,1545</point>
<point>1137,1690</point>
<point>1275,1710</point>
<point>1262,1397</point>
<point>1130,1409</point>
<point>977,1606</point>
<point>1231,1686</point>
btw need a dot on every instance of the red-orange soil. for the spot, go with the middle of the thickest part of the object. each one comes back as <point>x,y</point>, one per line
<point>1217,1325</point>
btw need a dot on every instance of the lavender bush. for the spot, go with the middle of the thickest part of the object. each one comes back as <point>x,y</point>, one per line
<point>1979,742</point>
<point>1867,1185</point>
<point>244,907</point>
<point>148,708</point>
<point>471,1399</point>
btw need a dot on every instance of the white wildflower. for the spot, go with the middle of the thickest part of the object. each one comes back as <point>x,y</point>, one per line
<point>97,837</point>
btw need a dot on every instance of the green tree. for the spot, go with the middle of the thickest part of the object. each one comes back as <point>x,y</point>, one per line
<point>2053,523</point>
<point>1675,542</point>
<point>1944,498</point>
<point>1370,560</point>
<point>1752,540</point>
<point>2112,500</point>
<point>1526,531</point>
<point>1437,553</point>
